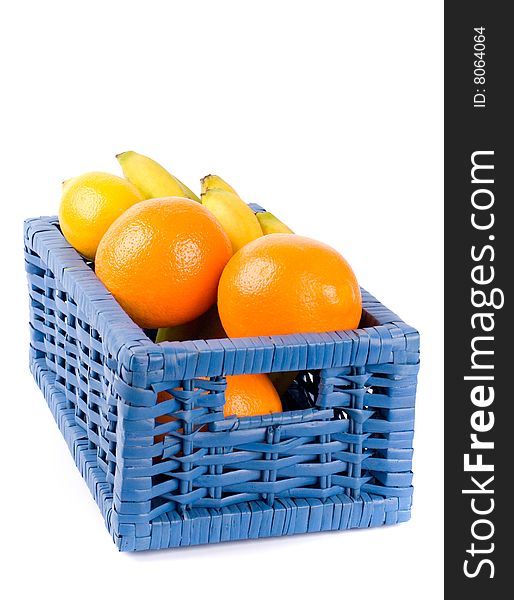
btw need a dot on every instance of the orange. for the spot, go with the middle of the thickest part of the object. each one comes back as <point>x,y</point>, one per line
<point>282,283</point>
<point>162,260</point>
<point>89,204</point>
<point>245,395</point>
<point>250,395</point>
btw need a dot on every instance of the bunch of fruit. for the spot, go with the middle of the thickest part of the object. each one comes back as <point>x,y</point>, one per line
<point>205,267</point>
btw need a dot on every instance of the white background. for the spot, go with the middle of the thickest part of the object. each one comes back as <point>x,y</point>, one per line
<point>327,113</point>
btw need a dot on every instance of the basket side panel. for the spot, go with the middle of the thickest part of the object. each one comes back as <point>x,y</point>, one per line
<point>379,400</point>
<point>355,442</point>
<point>73,367</point>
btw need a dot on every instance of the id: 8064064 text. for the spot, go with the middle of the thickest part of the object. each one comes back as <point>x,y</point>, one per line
<point>479,67</point>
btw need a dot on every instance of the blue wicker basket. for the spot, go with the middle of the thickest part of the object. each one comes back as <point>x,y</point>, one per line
<point>341,459</point>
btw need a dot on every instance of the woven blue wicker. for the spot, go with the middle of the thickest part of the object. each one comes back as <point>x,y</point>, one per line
<point>342,460</point>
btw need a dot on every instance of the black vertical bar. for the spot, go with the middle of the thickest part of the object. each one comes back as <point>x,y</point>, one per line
<point>479,259</point>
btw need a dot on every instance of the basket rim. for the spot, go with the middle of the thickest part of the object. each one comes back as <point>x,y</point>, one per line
<point>129,345</point>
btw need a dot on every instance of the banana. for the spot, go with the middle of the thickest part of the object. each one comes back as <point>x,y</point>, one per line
<point>152,180</point>
<point>179,333</point>
<point>236,217</point>
<point>270,224</point>
<point>189,192</point>
<point>210,325</point>
<point>205,327</point>
<point>210,182</point>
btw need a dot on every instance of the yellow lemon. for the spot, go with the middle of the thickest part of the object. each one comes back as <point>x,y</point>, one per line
<point>90,203</point>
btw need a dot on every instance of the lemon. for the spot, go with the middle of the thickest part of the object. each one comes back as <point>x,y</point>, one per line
<point>90,203</point>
